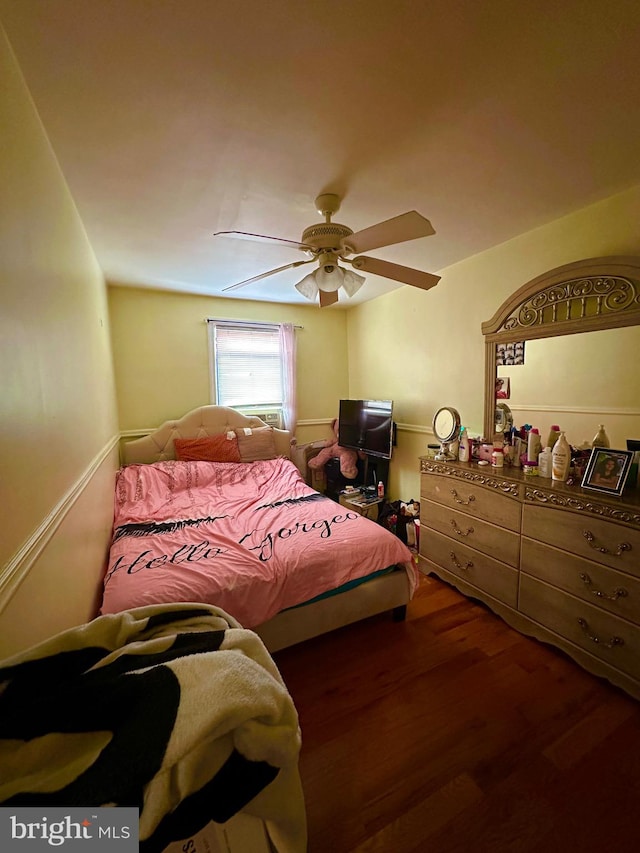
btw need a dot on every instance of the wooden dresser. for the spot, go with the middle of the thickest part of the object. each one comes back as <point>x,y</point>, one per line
<point>556,562</point>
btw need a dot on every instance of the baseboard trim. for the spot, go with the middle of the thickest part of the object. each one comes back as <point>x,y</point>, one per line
<point>20,564</point>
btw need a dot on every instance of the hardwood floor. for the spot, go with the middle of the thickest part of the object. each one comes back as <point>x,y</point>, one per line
<point>452,732</point>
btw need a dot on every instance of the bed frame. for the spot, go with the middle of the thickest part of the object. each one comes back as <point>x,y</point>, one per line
<point>383,593</point>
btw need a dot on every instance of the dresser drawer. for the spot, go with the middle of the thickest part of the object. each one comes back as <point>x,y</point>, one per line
<point>495,541</point>
<point>615,592</point>
<point>494,578</point>
<point>603,541</point>
<point>478,501</point>
<point>607,637</point>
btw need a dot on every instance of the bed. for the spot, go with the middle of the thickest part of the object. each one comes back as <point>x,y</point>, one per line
<point>249,536</point>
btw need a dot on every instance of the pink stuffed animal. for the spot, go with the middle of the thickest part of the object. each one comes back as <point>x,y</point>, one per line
<point>332,450</point>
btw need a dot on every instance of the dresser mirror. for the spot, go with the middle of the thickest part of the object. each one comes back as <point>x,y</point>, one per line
<point>579,326</point>
<point>579,381</point>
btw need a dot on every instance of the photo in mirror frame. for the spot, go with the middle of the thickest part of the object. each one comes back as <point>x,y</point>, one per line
<point>510,353</point>
<point>503,388</point>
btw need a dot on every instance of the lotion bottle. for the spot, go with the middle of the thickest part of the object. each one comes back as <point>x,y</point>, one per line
<point>533,445</point>
<point>560,459</point>
<point>463,449</point>
<point>545,463</point>
<point>554,435</point>
<point>601,439</point>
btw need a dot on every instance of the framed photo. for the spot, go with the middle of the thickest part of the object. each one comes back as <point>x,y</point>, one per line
<point>607,470</point>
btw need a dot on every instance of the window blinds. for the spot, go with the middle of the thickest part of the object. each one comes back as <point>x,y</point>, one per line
<point>247,365</point>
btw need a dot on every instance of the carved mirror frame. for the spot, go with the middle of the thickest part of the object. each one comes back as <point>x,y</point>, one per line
<point>585,296</point>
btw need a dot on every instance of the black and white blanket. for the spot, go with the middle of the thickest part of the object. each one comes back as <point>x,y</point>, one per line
<point>174,709</point>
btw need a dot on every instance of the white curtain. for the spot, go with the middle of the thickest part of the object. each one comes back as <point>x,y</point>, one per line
<point>289,397</point>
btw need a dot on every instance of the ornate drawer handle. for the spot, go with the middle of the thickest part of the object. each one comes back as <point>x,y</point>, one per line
<point>591,539</point>
<point>617,593</point>
<point>458,501</point>
<point>614,641</point>
<point>458,565</point>
<point>457,529</point>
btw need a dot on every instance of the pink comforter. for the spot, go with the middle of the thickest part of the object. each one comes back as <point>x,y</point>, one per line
<point>251,538</point>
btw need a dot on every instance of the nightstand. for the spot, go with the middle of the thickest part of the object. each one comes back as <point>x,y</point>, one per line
<point>368,507</point>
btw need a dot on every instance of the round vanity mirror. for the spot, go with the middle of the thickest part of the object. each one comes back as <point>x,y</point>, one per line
<point>446,423</point>
<point>446,428</point>
<point>504,417</point>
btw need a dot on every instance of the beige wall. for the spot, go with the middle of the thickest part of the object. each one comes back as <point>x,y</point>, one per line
<point>161,355</point>
<point>425,349</point>
<point>57,406</point>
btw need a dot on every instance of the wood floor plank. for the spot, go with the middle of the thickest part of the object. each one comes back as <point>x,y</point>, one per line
<point>420,821</point>
<point>451,733</point>
<point>588,733</point>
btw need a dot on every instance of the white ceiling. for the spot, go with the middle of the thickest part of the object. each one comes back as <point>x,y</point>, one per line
<point>173,119</point>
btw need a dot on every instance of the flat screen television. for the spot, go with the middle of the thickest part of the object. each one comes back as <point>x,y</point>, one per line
<point>367,425</point>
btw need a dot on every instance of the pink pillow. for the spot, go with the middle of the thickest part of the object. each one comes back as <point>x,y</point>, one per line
<point>256,443</point>
<point>213,448</point>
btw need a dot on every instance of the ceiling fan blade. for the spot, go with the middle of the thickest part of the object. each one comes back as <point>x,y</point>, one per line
<point>407,275</point>
<point>265,274</point>
<point>262,238</point>
<point>407,226</point>
<point>327,297</point>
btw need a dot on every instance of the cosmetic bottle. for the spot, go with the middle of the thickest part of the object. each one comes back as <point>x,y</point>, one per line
<point>464,452</point>
<point>533,444</point>
<point>516,452</point>
<point>497,458</point>
<point>601,439</point>
<point>545,463</point>
<point>560,459</point>
<point>554,435</point>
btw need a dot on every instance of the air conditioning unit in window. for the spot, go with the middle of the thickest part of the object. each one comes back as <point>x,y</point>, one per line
<point>272,417</point>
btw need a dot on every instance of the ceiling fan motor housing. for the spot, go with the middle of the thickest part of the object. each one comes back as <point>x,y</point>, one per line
<point>326,235</point>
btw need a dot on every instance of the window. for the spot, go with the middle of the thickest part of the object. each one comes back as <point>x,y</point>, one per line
<point>253,366</point>
<point>246,366</point>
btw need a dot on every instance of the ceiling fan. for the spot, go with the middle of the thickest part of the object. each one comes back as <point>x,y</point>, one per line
<point>329,244</point>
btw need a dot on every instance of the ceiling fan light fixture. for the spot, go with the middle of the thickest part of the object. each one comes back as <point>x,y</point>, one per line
<point>329,282</point>
<point>352,282</point>
<point>308,287</point>
<point>329,277</point>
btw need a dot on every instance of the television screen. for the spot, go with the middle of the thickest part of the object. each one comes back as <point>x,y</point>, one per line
<point>367,425</point>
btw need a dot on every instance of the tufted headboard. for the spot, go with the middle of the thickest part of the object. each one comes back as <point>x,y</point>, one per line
<point>205,421</point>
